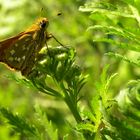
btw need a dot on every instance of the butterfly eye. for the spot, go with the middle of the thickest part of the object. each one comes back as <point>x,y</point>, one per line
<point>44,23</point>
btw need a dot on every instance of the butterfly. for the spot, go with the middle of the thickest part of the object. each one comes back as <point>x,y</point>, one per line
<point>20,52</point>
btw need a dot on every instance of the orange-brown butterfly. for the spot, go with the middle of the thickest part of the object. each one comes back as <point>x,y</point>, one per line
<point>20,52</point>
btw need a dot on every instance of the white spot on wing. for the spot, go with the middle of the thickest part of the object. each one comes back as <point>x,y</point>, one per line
<point>12,52</point>
<point>18,59</point>
<point>23,57</point>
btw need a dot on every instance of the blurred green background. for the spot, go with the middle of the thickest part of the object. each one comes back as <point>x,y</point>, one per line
<point>69,29</point>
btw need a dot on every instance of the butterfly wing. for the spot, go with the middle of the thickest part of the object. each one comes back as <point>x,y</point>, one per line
<point>17,51</point>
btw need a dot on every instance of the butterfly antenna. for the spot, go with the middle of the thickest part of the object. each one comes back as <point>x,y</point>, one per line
<point>41,12</point>
<point>59,14</point>
<point>54,17</point>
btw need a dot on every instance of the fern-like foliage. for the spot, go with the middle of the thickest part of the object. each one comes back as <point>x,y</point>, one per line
<point>19,124</point>
<point>126,115</point>
<point>98,119</point>
<point>118,25</point>
<point>58,65</point>
<point>40,129</point>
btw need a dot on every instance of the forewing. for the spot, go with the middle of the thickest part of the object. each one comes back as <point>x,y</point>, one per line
<point>6,44</point>
<point>15,51</point>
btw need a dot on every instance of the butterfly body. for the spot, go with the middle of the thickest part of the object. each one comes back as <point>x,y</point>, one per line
<point>20,52</point>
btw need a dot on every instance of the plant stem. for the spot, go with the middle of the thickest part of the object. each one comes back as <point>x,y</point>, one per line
<point>73,108</point>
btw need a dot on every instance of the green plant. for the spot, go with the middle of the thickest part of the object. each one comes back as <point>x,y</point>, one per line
<point>117,25</point>
<point>109,115</point>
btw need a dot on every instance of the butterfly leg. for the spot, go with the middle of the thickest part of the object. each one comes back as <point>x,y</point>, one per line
<point>52,36</point>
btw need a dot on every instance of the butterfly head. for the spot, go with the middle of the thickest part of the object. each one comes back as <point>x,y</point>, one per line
<point>43,22</point>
